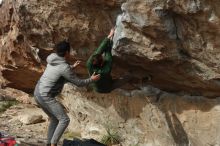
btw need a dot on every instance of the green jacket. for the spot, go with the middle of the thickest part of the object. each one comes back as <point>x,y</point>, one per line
<point>104,84</point>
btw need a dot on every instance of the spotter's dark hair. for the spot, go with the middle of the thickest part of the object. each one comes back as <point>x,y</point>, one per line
<point>62,47</point>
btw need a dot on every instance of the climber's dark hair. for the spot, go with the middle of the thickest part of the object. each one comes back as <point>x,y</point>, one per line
<point>61,48</point>
<point>97,60</point>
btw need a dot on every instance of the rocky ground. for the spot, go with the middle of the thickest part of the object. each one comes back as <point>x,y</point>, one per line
<point>26,123</point>
<point>20,117</point>
<point>143,117</point>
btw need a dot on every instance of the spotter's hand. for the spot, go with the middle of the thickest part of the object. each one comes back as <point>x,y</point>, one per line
<point>76,64</point>
<point>95,77</point>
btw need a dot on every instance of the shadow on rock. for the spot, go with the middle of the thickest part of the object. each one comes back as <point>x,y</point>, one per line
<point>176,129</point>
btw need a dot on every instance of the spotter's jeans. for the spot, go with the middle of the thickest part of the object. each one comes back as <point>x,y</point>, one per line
<point>59,119</point>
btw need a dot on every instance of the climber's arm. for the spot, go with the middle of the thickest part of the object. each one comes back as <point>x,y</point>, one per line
<point>99,50</point>
<point>105,43</point>
<point>108,59</point>
<point>102,46</point>
<point>105,46</point>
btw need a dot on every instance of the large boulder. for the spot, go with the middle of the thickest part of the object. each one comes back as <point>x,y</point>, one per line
<point>145,117</point>
<point>29,30</point>
<point>174,41</point>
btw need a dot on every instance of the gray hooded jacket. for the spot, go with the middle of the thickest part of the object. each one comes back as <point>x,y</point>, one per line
<point>57,73</point>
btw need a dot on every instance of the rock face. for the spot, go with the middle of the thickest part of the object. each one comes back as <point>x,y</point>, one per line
<point>174,41</point>
<point>145,117</point>
<point>29,29</point>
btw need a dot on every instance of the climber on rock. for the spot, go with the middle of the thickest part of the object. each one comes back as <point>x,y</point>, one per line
<point>100,62</point>
<point>51,83</point>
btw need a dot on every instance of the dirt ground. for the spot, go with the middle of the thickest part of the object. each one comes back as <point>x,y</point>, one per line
<point>25,135</point>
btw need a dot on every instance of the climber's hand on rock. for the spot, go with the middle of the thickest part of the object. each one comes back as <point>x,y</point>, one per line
<point>111,34</point>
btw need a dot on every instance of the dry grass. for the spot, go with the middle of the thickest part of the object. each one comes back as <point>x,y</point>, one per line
<point>112,137</point>
<point>4,105</point>
<point>71,135</point>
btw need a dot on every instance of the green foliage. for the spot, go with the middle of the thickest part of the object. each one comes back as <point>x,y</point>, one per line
<point>71,135</point>
<point>112,137</point>
<point>134,145</point>
<point>4,105</point>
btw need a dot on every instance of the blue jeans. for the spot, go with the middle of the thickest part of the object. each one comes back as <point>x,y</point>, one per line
<point>59,119</point>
